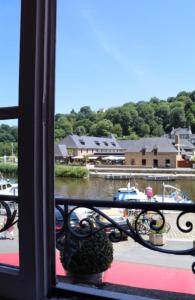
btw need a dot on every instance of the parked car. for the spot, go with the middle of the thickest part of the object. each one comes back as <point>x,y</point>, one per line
<point>59,223</point>
<point>117,216</point>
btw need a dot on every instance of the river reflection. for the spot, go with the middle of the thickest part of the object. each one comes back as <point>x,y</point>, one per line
<point>104,189</point>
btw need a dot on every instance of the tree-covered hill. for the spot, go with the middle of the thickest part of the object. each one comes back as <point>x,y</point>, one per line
<point>129,121</point>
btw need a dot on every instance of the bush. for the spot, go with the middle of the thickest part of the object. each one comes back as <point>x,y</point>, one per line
<point>94,256</point>
<point>71,171</point>
<point>60,171</point>
<point>8,168</point>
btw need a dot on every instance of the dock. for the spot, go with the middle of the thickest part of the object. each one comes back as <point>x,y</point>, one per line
<point>147,174</point>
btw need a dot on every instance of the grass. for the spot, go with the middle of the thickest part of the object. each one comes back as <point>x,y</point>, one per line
<point>71,171</point>
<point>9,168</point>
<point>60,170</point>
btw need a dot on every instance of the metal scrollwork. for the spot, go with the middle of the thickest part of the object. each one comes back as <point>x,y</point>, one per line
<point>9,216</point>
<point>188,223</point>
<point>142,220</point>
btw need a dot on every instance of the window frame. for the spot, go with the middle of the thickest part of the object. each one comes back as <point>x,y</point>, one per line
<point>36,275</point>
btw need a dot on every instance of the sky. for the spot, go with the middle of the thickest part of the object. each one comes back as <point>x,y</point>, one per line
<point>109,52</point>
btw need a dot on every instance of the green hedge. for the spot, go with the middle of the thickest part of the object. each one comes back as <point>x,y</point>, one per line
<point>9,168</point>
<point>60,171</point>
<point>71,171</point>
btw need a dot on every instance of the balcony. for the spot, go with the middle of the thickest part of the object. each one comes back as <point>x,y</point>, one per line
<point>143,218</point>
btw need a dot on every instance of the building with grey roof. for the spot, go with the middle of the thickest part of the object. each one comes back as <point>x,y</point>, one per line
<point>89,145</point>
<point>183,133</point>
<point>186,140</point>
<point>60,152</point>
<point>152,152</point>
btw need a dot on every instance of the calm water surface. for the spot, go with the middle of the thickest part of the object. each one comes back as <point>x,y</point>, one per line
<point>104,189</point>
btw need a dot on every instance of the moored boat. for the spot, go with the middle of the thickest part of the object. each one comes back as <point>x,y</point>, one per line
<point>160,177</point>
<point>130,193</point>
<point>8,188</point>
<point>170,194</point>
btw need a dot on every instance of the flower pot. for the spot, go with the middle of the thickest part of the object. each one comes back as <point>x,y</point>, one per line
<point>157,239</point>
<point>95,279</point>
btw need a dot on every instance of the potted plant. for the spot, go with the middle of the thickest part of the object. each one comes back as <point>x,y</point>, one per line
<point>157,236</point>
<point>89,259</point>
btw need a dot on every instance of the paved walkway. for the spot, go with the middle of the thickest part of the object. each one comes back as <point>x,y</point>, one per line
<point>175,233</point>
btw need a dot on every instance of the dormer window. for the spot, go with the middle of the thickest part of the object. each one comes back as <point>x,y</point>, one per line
<point>97,143</point>
<point>113,144</point>
<point>82,142</point>
<point>155,150</point>
<point>143,150</point>
<point>105,143</point>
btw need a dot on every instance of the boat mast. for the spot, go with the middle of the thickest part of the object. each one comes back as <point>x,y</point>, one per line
<point>163,194</point>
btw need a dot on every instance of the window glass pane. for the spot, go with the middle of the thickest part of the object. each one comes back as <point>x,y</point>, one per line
<point>9,49</point>
<point>9,235</point>
<point>112,58</point>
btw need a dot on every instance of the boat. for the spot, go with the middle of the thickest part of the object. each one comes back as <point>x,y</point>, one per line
<point>8,188</point>
<point>130,193</point>
<point>170,194</point>
<point>160,178</point>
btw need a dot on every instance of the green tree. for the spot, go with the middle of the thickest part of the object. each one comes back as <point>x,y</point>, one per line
<point>177,117</point>
<point>117,130</point>
<point>133,136</point>
<point>102,128</point>
<point>157,130</point>
<point>80,130</point>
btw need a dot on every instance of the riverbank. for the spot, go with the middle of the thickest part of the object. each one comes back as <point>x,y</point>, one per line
<point>10,169</point>
<point>125,173</point>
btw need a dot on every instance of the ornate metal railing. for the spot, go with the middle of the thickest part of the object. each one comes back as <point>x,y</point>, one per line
<point>8,212</point>
<point>142,219</point>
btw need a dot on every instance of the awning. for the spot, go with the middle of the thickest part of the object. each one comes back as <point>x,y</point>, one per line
<point>77,157</point>
<point>111,157</point>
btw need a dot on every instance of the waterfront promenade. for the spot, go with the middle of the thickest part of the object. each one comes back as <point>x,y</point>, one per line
<point>125,172</point>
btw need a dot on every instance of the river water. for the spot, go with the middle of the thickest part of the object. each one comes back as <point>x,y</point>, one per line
<point>104,189</point>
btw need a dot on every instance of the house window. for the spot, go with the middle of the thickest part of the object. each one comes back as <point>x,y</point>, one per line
<point>155,151</point>
<point>97,143</point>
<point>144,151</point>
<point>155,163</point>
<point>143,162</point>
<point>132,161</point>
<point>82,142</point>
<point>167,163</point>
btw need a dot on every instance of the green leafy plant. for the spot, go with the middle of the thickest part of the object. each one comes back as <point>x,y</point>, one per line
<point>158,228</point>
<point>71,171</point>
<point>94,255</point>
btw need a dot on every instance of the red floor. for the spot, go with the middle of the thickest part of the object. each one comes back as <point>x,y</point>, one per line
<point>136,275</point>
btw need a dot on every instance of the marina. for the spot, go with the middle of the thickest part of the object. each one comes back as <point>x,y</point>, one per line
<point>99,188</point>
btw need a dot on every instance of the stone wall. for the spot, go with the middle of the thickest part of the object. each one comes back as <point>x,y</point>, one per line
<point>163,160</point>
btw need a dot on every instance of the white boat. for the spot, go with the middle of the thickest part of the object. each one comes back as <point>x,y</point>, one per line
<point>170,194</point>
<point>130,193</point>
<point>8,188</point>
<point>160,178</point>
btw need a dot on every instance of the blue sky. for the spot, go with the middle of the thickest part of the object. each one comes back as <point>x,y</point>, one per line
<point>109,52</point>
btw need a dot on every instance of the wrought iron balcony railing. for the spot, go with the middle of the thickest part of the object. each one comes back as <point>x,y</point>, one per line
<point>142,219</point>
